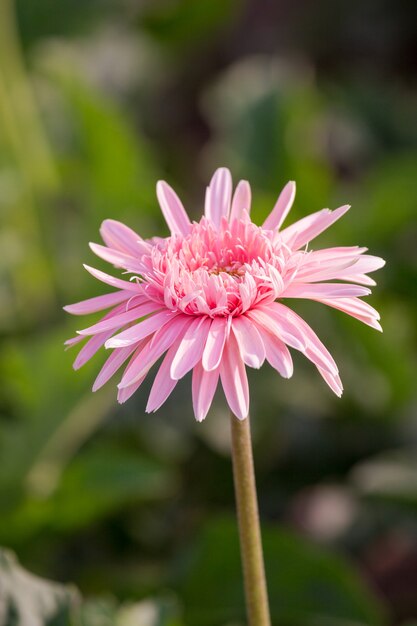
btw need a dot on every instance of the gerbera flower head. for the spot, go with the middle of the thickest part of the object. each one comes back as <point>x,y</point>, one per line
<point>211,297</point>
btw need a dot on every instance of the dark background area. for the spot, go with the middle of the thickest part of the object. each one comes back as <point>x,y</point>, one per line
<point>98,100</point>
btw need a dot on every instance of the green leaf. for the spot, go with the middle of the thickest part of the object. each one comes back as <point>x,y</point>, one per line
<point>307,585</point>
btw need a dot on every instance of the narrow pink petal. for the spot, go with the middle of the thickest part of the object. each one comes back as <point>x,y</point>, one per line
<point>324,290</point>
<point>125,393</point>
<point>191,348</point>
<point>120,237</point>
<point>204,386</point>
<point>234,379</point>
<point>333,381</point>
<point>97,341</point>
<point>277,354</point>
<point>99,303</point>
<point>358,309</point>
<point>282,207</point>
<point>112,281</point>
<point>275,322</point>
<point>241,200</point>
<point>216,339</point>
<point>314,349</point>
<point>360,279</point>
<point>116,258</point>
<point>154,349</point>
<point>368,263</point>
<point>112,364</point>
<point>306,229</point>
<point>73,341</point>
<point>118,321</point>
<point>141,330</point>
<point>219,196</point>
<point>251,347</point>
<point>341,269</point>
<point>89,349</point>
<point>163,385</point>
<point>173,210</point>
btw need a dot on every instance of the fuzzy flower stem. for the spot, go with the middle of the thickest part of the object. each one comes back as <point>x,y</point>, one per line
<point>249,526</point>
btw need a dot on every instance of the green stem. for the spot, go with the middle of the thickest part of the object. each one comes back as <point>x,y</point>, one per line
<point>249,528</point>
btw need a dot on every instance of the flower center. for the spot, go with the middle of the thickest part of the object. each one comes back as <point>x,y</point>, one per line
<point>216,271</point>
<point>235,272</point>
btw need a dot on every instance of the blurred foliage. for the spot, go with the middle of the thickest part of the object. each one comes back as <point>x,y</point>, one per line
<point>312,588</point>
<point>96,103</point>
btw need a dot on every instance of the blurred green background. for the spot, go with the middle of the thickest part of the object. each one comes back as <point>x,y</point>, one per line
<point>133,515</point>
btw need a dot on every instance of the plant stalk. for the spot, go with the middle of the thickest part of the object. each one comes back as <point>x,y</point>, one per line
<point>249,527</point>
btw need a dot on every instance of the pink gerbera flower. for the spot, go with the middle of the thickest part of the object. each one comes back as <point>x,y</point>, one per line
<point>211,296</point>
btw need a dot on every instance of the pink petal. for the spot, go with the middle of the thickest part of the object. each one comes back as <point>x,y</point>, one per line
<point>112,281</point>
<point>163,385</point>
<point>97,341</point>
<point>277,354</point>
<point>249,340</point>
<point>191,348</point>
<point>216,339</point>
<point>324,290</point>
<point>120,237</point>
<point>73,341</point>
<point>314,350</point>
<point>173,210</point>
<point>218,196</point>
<point>112,364</point>
<point>234,379</point>
<point>282,207</point>
<point>275,322</point>
<point>333,381</point>
<point>160,342</point>
<point>89,349</point>
<point>92,305</point>
<point>306,229</point>
<point>141,330</point>
<point>118,321</point>
<point>355,308</point>
<point>340,269</point>
<point>241,200</point>
<point>125,393</point>
<point>204,386</point>
<point>360,279</point>
<point>116,258</point>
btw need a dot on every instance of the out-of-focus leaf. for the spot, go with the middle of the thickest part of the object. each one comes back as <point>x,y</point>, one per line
<point>108,166</point>
<point>100,480</point>
<point>390,476</point>
<point>388,203</point>
<point>307,585</point>
<point>27,599</point>
<point>184,22</point>
<point>38,380</point>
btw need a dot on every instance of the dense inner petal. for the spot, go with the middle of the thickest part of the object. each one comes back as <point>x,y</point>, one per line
<point>215,271</point>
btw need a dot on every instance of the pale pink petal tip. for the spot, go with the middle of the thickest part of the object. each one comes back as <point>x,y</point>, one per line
<point>173,210</point>
<point>218,196</point>
<point>282,207</point>
<point>241,202</point>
